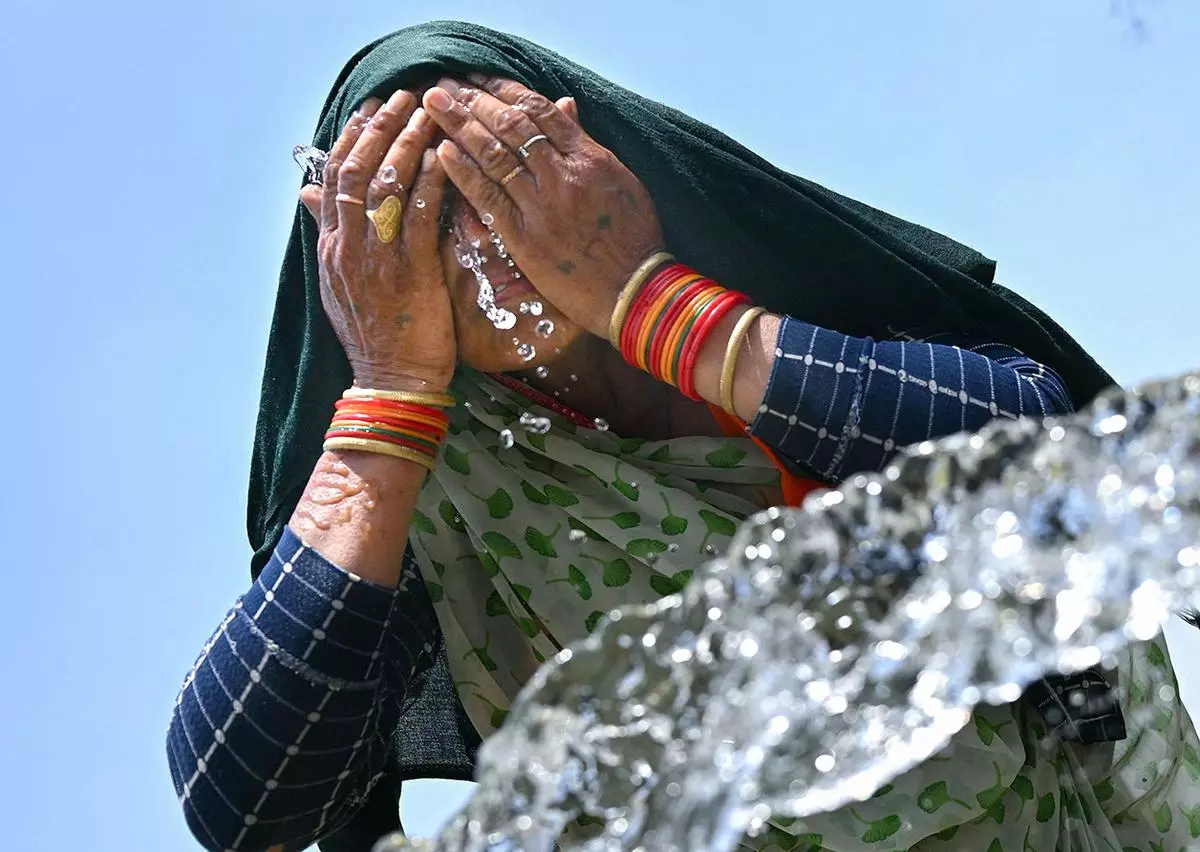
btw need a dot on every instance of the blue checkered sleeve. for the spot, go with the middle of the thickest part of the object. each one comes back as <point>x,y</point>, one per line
<point>282,726</point>
<point>838,404</point>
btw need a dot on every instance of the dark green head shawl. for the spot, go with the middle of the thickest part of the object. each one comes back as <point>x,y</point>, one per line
<point>792,245</point>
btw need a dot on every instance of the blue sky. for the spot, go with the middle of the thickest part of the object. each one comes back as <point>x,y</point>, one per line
<point>149,192</point>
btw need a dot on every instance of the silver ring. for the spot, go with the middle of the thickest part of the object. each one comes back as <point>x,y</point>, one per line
<point>524,149</point>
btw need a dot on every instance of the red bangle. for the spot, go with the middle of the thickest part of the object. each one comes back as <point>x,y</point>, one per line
<point>713,315</point>
<point>392,406</point>
<point>430,449</point>
<point>682,303</point>
<point>401,423</point>
<point>641,305</point>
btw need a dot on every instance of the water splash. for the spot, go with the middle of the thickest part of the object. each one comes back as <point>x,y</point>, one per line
<point>836,646</point>
<point>470,257</point>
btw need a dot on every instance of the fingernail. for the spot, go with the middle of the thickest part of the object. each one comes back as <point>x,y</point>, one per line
<point>439,99</point>
<point>449,84</point>
<point>419,120</point>
<point>370,106</point>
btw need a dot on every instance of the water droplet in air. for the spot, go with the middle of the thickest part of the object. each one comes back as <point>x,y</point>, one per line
<point>535,424</point>
<point>576,536</point>
<point>523,307</point>
<point>511,262</point>
<point>527,352</point>
<point>487,219</point>
<point>545,328</point>
<point>601,424</point>
<point>541,372</point>
<point>387,174</point>
<point>420,202</point>
<point>535,308</point>
<point>672,547</point>
<point>573,377</point>
<point>506,438</point>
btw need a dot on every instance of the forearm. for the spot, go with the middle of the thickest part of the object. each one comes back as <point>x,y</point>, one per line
<point>755,361</point>
<point>356,510</point>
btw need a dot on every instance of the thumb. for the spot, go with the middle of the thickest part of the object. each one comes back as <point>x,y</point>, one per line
<point>568,106</point>
<point>310,197</point>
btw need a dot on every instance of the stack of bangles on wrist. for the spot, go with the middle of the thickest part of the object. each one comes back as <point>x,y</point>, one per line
<point>664,316</point>
<point>400,424</point>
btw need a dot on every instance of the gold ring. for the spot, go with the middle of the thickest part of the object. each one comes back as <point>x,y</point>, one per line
<point>386,218</point>
<point>349,199</point>
<point>508,178</point>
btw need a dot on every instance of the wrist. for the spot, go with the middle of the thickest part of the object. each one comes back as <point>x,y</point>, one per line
<point>390,380</point>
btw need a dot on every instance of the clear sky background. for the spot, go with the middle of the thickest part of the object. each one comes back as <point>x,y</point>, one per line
<point>148,190</point>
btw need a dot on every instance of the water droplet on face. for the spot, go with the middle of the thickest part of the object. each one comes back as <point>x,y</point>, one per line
<point>387,174</point>
<point>527,352</point>
<point>541,372</point>
<point>420,202</point>
<point>535,424</point>
<point>506,438</point>
<point>487,219</point>
<point>576,536</point>
<point>545,328</point>
<point>601,424</point>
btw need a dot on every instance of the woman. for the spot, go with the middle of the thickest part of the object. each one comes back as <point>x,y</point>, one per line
<point>478,239</point>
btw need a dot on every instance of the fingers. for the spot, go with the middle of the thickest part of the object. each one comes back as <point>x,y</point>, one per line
<point>495,159</point>
<point>482,193</point>
<point>563,132</point>
<point>508,124</point>
<point>423,212</point>
<point>362,163</point>
<point>569,108</point>
<point>345,142</point>
<point>400,164</point>
<point>310,197</point>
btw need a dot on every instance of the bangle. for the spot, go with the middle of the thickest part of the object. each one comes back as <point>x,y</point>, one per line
<point>712,315</point>
<point>364,445</point>
<point>645,297</point>
<point>431,399</point>
<point>733,350</point>
<point>631,288</point>
<point>667,320</point>
<point>391,424</point>
<point>667,362</point>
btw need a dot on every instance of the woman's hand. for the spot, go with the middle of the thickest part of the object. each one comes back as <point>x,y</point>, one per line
<point>576,220</point>
<point>382,285</point>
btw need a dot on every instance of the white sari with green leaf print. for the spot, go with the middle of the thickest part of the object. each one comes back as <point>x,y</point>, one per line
<point>523,549</point>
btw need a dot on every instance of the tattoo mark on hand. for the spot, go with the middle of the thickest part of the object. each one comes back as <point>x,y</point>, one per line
<point>403,320</point>
<point>603,222</point>
<point>566,267</point>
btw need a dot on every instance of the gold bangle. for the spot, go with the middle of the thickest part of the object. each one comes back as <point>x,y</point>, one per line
<point>630,290</point>
<point>432,399</point>
<point>733,349</point>
<point>366,445</point>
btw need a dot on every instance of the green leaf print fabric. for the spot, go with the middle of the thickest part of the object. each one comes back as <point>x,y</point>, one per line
<point>525,549</point>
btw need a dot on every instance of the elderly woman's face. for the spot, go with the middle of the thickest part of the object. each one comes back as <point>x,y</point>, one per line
<point>481,345</point>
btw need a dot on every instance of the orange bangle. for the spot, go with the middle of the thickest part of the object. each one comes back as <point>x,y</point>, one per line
<point>378,411</point>
<point>670,349</point>
<point>652,313</point>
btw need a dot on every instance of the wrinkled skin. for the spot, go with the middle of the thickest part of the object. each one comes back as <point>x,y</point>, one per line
<point>387,301</point>
<point>575,220</point>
